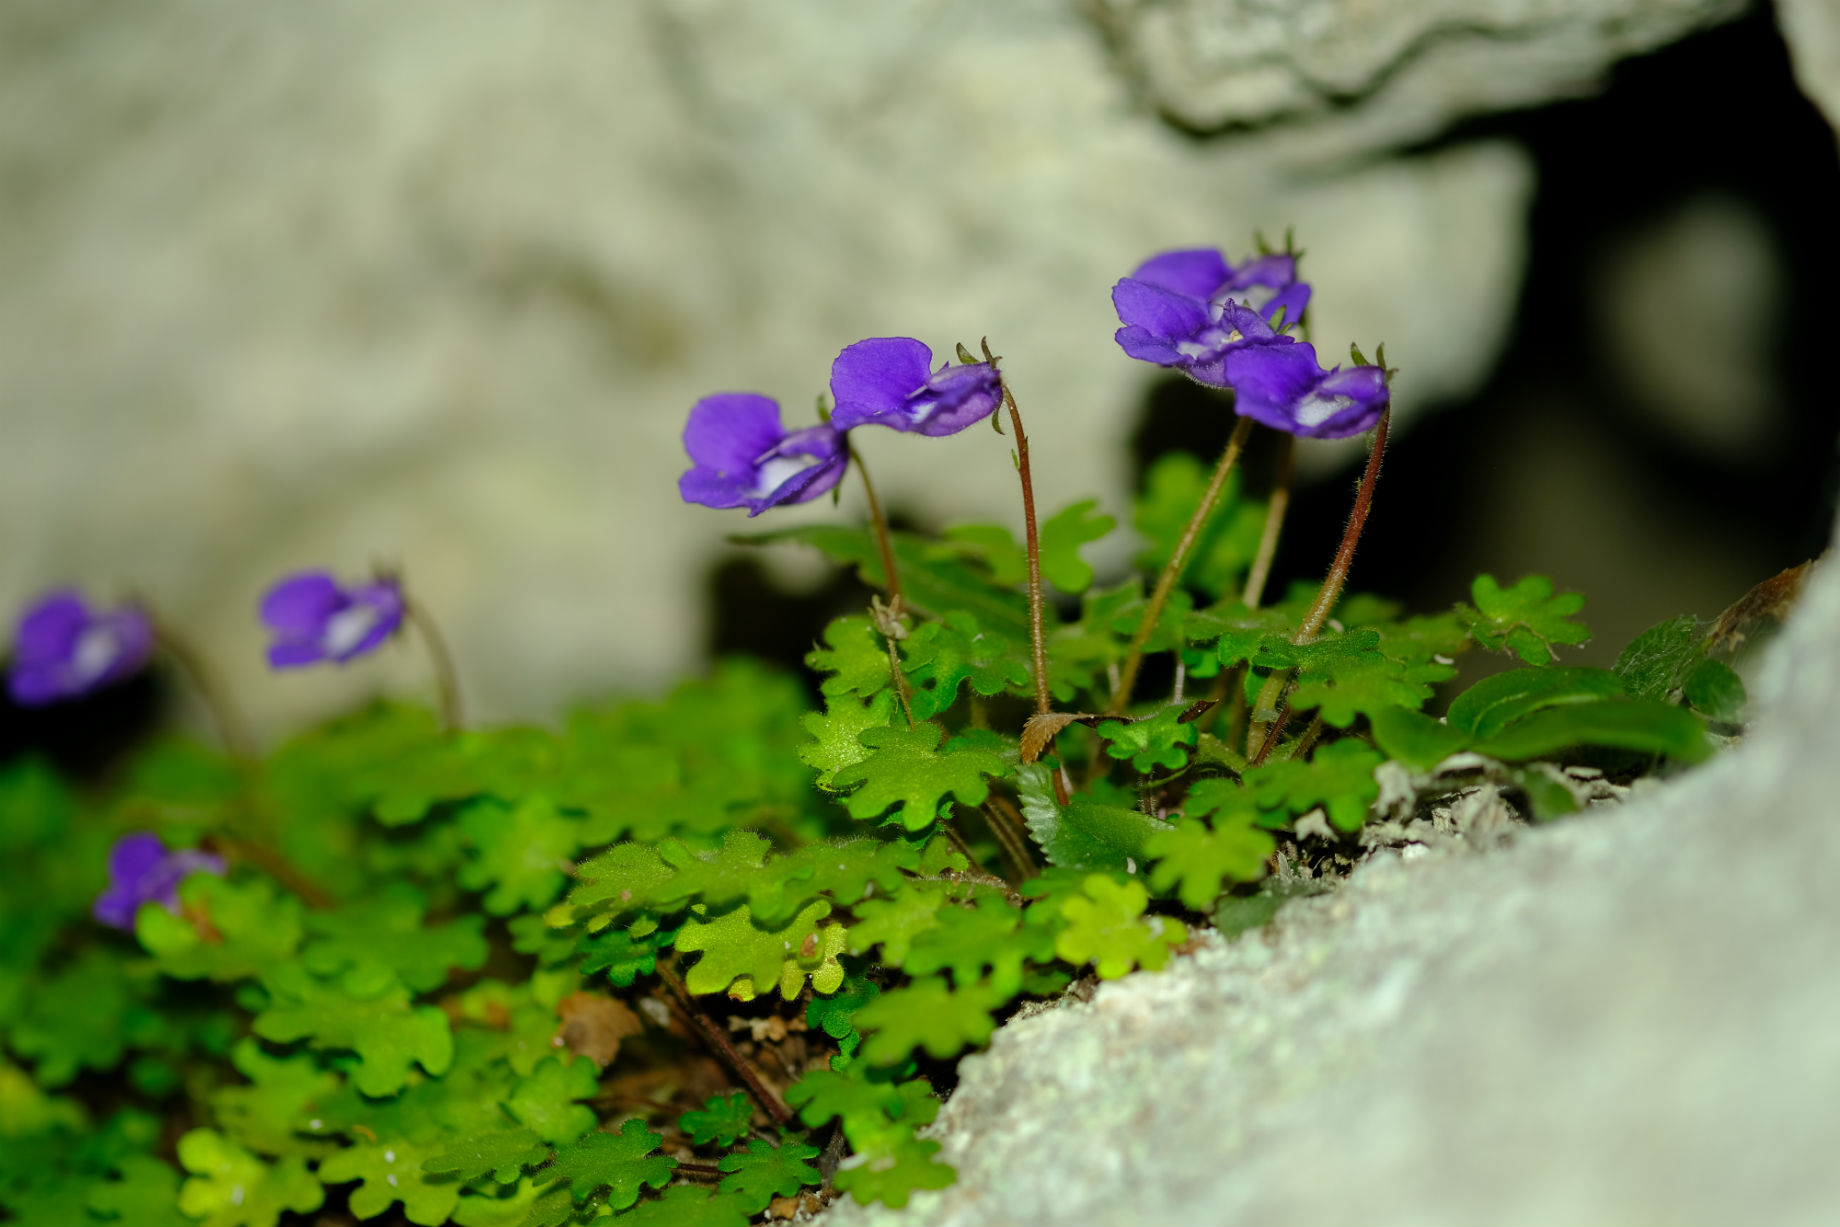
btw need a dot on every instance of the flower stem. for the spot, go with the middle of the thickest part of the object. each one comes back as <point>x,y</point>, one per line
<point>446,677</point>
<point>879,524</point>
<point>1274,520</point>
<point>724,1050</point>
<point>1008,827</point>
<point>1331,589</point>
<point>232,730</point>
<point>1172,570</point>
<point>1037,641</point>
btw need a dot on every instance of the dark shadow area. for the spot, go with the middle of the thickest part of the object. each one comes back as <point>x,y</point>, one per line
<point>85,739</point>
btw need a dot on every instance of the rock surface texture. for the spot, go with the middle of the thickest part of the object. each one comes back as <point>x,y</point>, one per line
<point>1621,1018</point>
<point>353,283</point>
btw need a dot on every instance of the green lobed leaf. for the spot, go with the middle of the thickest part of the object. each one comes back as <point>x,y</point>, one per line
<point>1060,537</point>
<point>384,935</point>
<point>393,1171</point>
<point>268,1114</point>
<point>1527,619</point>
<point>1415,739</point>
<point>255,927</point>
<point>229,1187</point>
<point>1715,690</point>
<point>147,1192</point>
<point>622,1165</point>
<point>544,1102</point>
<point>738,949</point>
<point>894,921</point>
<point>892,1171</point>
<point>991,544</point>
<point>1655,661</point>
<point>970,941</point>
<point>1340,778</point>
<point>1106,927</point>
<point>909,771</point>
<point>518,852</point>
<point>1159,743</point>
<point>388,1034</point>
<point>836,732</point>
<point>502,1154</point>
<point>76,1019</point>
<point>854,658</point>
<point>723,1119</point>
<point>686,1205</point>
<point>1204,862</point>
<point>929,1014</point>
<point>943,656</point>
<point>764,1171</point>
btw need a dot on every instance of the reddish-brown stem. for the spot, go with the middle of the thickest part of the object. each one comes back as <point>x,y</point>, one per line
<point>724,1050</point>
<point>1043,700</point>
<point>899,679</point>
<point>446,676</point>
<point>232,730</point>
<point>1331,589</point>
<point>1009,830</point>
<point>1172,571</point>
<point>878,523</point>
<point>1275,508</point>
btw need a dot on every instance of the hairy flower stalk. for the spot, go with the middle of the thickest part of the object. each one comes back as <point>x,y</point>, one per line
<point>446,676</point>
<point>1329,593</point>
<point>878,524</point>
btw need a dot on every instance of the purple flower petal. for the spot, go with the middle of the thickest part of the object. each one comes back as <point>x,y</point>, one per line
<point>142,871</point>
<point>872,379</point>
<point>1283,387</point>
<point>314,619</point>
<point>1157,314</point>
<point>729,431</point>
<point>299,604</point>
<point>65,651</point>
<point>1196,272</point>
<point>806,464</point>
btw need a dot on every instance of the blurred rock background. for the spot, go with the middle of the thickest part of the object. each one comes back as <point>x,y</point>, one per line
<point>434,285</point>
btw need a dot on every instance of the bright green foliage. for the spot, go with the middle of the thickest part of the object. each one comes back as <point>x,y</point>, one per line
<point>392,1171</point>
<point>908,769</point>
<point>933,583</point>
<point>1494,703</point>
<point>1237,632</point>
<point>385,936</point>
<point>739,949</point>
<point>891,1172</point>
<point>503,1205</point>
<point>1229,540</point>
<point>847,870</point>
<point>76,1019</point>
<point>895,922</point>
<point>1086,833</point>
<point>621,955</point>
<point>503,1154</point>
<point>621,1164</point>
<point>837,730</point>
<point>723,1119</point>
<point>686,1205</point>
<point>544,1102</point>
<point>625,876</point>
<point>229,1187</point>
<point>258,926</point>
<point>765,1171</point>
<point>383,1029</point>
<point>855,659</point>
<point>1345,676</point>
<point>1157,743</point>
<point>1126,606</point>
<point>518,852</point>
<point>1715,689</point>
<point>1416,739</point>
<point>942,656</point>
<point>1062,535</point>
<point>1205,862</point>
<point>991,544</point>
<point>1656,660</point>
<point>1340,778</point>
<point>147,1192</point>
<point>1528,619</point>
<point>970,941</point>
<point>1106,927</point>
<point>267,1114</point>
<point>1642,725</point>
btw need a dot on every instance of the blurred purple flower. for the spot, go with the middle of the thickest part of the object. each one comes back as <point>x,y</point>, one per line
<point>1187,309</point>
<point>890,381</point>
<point>314,619</point>
<point>1283,387</point>
<point>64,650</point>
<point>743,457</point>
<point>142,870</point>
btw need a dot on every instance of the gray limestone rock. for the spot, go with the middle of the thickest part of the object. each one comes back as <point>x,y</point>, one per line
<point>1622,1017</point>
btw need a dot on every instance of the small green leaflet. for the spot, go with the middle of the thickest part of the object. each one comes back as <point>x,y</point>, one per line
<point>1105,927</point>
<point>518,852</point>
<point>545,1103</point>
<point>384,935</point>
<point>970,941</point>
<point>1205,862</point>
<point>765,1171</point>
<point>723,1119</point>
<point>942,656</point>
<point>909,770</point>
<point>229,1187</point>
<point>853,657</point>
<point>892,1171</point>
<point>392,1171</point>
<point>623,1164</point>
<point>836,731</point>
<point>503,1154</point>
<point>1494,703</point>
<point>894,922</point>
<point>928,1014</point>
<point>1528,619</point>
<point>1062,535</point>
<point>991,544</point>
<point>1156,743</point>
<point>388,1034</point>
<point>1340,778</point>
<point>686,1205</point>
<point>259,927</point>
<point>739,949</point>
<point>1653,663</point>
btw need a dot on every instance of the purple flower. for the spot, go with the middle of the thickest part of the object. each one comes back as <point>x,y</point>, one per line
<point>65,650</point>
<point>1188,309</point>
<point>141,870</point>
<point>314,619</point>
<point>1283,387</point>
<point>890,381</point>
<point>744,458</point>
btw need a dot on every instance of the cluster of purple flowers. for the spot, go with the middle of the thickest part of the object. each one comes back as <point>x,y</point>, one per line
<point>743,457</point>
<point>1225,327</point>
